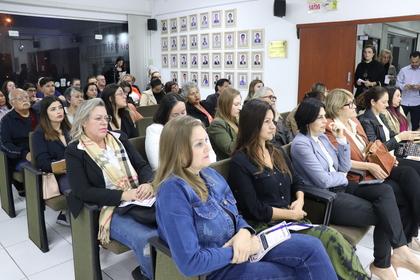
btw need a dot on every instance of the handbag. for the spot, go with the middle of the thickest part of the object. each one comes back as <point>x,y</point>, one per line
<point>142,214</point>
<point>49,185</point>
<point>408,149</point>
<point>377,152</point>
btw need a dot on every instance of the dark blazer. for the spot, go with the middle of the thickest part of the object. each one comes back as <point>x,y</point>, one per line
<point>87,180</point>
<point>127,126</point>
<point>212,100</point>
<point>375,131</point>
<point>46,151</point>
<point>195,113</point>
<point>375,73</point>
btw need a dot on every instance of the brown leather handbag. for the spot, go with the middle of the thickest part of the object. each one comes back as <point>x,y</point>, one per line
<point>377,152</point>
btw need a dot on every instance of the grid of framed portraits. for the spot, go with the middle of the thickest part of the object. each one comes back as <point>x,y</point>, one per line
<point>195,48</point>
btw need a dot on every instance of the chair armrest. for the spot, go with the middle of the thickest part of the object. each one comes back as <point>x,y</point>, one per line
<point>31,168</point>
<point>316,193</point>
<point>88,206</point>
<point>356,172</point>
<point>160,245</point>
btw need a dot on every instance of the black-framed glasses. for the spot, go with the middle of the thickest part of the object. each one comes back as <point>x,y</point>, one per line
<point>98,118</point>
<point>271,97</point>
<point>350,104</point>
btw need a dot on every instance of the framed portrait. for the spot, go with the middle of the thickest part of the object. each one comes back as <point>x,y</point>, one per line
<point>204,42</point>
<point>257,76</point>
<point>216,60</point>
<point>193,23</point>
<point>229,40</point>
<point>174,76</point>
<point>205,60</point>
<point>215,77</point>
<point>174,43</point>
<point>183,78</point>
<point>183,42</point>
<point>193,77</point>
<point>174,25</point>
<point>193,60</point>
<point>193,42</point>
<point>242,80</point>
<point>230,76</point>
<point>229,60</point>
<point>183,24</point>
<point>164,26</point>
<point>216,40</point>
<point>216,18</point>
<point>174,60</point>
<point>230,18</point>
<point>164,44</point>
<point>242,38</point>
<point>183,58</point>
<point>242,60</point>
<point>257,38</point>
<point>204,20</point>
<point>257,60</point>
<point>205,79</point>
<point>165,61</point>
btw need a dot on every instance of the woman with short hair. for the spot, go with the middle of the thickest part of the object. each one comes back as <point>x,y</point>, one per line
<point>196,108</point>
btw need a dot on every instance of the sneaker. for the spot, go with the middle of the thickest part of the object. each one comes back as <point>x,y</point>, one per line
<point>414,245</point>
<point>62,219</point>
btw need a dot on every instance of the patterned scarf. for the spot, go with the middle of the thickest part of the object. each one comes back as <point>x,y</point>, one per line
<point>123,179</point>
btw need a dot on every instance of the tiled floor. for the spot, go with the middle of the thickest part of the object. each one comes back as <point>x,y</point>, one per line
<point>21,259</point>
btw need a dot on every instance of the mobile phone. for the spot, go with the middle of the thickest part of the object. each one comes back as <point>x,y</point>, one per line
<point>371,182</point>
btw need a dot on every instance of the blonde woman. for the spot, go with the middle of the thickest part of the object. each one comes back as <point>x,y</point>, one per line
<point>385,57</point>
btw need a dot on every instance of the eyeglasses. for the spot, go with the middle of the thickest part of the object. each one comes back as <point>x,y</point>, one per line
<point>271,97</point>
<point>21,97</point>
<point>106,118</point>
<point>31,90</point>
<point>123,94</point>
<point>350,104</point>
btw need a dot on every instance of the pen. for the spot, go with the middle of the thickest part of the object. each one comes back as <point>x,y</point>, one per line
<point>274,229</point>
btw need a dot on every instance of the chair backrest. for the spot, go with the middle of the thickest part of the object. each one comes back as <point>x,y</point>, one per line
<point>142,124</point>
<point>31,150</point>
<point>140,144</point>
<point>147,111</point>
<point>284,115</point>
<point>286,149</point>
<point>222,167</point>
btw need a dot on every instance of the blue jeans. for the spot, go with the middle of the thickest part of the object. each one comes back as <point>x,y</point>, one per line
<point>134,235</point>
<point>301,257</point>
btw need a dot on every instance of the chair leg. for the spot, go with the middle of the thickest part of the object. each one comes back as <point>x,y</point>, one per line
<point>6,192</point>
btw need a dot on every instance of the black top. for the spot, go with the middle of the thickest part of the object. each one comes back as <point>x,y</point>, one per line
<point>195,113</point>
<point>127,126</point>
<point>212,100</point>
<point>373,71</point>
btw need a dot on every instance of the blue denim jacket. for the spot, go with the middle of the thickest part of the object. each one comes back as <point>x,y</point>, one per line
<point>196,230</point>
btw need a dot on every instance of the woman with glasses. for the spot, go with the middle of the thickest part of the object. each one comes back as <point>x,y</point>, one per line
<point>115,100</point>
<point>283,135</point>
<point>404,181</point>
<point>196,108</point>
<point>153,95</point>
<point>104,168</point>
<point>50,140</point>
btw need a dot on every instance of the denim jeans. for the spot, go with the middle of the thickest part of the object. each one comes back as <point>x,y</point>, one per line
<point>134,235</point>
<point>301,257</point>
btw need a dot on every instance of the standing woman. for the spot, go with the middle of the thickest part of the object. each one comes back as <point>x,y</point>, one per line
<point>115,100</point>
<point>50,141</point>
<point>254,86</point>
<point>196,108</point>
<point>197,217</point>
<point>369,71</point>
<point>119,69</point>
<point>394,114</point>
<point>263,181</point>
<point>74,98</point>
<point>90,91</point>
<point>385,58</point>
<point>104,168</point>
<point>224,128</point>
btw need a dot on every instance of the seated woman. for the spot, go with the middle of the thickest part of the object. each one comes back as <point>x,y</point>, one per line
<point>132,97</point>
<point>283,135</point>
<point>171,86</point>
<point>154,95</point>
<point>254,86</point>
<point>104,168</point>
<point>5,106</point>
<point>195,107</point>
<point>394,114</point>
<point>74,98</point>
<point>264,181</point>
<point>323,166</point>
<point>90,91</point>
<point>220,86</point>
<point>405,182</point>
<point>50,140</point>
<point>115,100</point>
<point>197,217</point>
<point>224,128</point>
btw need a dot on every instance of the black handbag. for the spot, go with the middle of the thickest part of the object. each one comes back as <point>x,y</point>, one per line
<point>142,214</point>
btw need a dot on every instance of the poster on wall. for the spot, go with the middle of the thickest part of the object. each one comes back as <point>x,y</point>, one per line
<point>243,80</point>
<point>257,60</point>
<point>216,18</point>
<point>257,38</point>
<point>230,18</point>
<point>164,26</point>
<point>193,21</point>
<point>277,49</point>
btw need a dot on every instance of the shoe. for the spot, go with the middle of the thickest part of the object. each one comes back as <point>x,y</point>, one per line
<point>20,188</point>
<point>397,263</point>
<point>62,219</point>
<point>414,245</point>
<point>383,274</point>
<point>136,273</point>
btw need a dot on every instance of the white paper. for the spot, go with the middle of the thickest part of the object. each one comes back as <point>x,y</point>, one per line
<point>387,79</point>
<point>146,203</point>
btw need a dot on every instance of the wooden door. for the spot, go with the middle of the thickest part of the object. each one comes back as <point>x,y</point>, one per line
<point>327,55</point>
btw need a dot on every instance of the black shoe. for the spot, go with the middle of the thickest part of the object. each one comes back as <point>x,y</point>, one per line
<point>20,187</point>
<point>62,219</point>
<point>137,274</point>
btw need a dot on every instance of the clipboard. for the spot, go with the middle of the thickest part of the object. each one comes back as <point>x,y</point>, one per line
<point>57,166</point>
